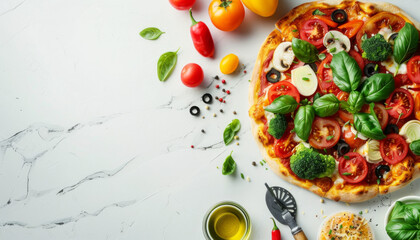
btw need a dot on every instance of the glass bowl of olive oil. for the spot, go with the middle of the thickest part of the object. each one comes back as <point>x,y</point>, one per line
<point>227,221</point>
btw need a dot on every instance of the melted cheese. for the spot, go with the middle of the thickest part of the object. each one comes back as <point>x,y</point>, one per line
<point>391,66</point>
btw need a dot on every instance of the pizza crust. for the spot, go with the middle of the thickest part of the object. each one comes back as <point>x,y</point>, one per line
<point>346,193</point>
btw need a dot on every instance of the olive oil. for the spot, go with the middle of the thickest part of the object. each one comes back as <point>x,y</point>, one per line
<point>227,221</point>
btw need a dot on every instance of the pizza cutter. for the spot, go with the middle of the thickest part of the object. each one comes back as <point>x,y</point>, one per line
<point>283,207</point>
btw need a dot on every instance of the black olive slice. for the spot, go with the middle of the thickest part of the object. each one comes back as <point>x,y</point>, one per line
<point>273,76</point>
<point>392,38</point>
<point>343,148</point>
<point>339,16</point>
<point>207,98</point>
<point>313,66</point>
<point>195,111</point>
<point>391,128</point>
<point>379,170</point>
<point>371,69</point>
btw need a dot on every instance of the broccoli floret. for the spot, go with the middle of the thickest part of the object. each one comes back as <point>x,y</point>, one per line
<point>277,126</point>
<point>376,48</point>
<point>309,164</point>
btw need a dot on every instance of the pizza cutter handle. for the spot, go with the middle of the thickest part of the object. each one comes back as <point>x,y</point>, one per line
<point>300,236</point>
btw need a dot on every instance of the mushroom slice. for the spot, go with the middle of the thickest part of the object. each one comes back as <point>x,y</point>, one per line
<point>283,56</point>
<point>336,42</point>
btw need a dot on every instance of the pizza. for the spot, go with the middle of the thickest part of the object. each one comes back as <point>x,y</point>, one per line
<point>335,99</point>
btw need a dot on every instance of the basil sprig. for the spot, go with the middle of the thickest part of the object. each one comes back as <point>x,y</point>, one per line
<point>404,221</point>
<point>304,51</point>
<point>355,102</point>
<point>326,105</point>
<point>368,124</point>
<point>151,33</point>
<point>231,130</point>
<point>415,147</point>
<point>346,72</point>
<point>378,87</point>
<point>406,44</point>
<point>283,104</point>
<point>166,65</point>
<point>303,121</point>
<point>229,166</point>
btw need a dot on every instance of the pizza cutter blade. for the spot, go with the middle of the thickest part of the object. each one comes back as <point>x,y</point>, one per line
<point>283,207</point>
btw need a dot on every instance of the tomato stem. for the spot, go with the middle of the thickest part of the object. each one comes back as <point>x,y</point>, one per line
<point>225,4</point>
<point>192,18</point>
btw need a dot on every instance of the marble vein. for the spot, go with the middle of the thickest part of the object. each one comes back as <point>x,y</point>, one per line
<point>12,9</point>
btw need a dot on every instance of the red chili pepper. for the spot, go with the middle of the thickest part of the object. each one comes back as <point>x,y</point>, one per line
<point>275,233</point>
<point>201,37</point>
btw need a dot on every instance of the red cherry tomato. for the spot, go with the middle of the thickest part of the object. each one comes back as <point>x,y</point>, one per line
<point>325,77</point>
<point>358,58</point>
<point>350,138</point>
<point>413,69</point>
<point>313,31</point>
<point>343,114</point>
<point>283,147</point>
<point>192,75</point>
<point>351,28</point>
<point>182,4</point>
<point>393,148</point>
<point>401,103</point>
<point>325,133</point>
<point>283,88</point>
<point>353,167</point>
<point>380,112</point>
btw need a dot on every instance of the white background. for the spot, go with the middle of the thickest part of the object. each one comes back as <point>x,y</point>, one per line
<point>94,146</point>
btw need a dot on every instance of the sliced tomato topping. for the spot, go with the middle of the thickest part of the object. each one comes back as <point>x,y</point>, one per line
<point>413,69</point>
<point>351,28</point>
<point>350,138</point>
<point>313,31</point>
<point>283,147</point>
<point>325,77</point>
<point>283,88</point>
<point>381,20</point>
<point>353,167</point>
<point>325,133</point>
<point>393,148</point>
<point>343,114</point>
<point>400,104</point>
<point>417,106</point>
<point>402,80</point>
<point>358,58</point>
<point>380,112</point>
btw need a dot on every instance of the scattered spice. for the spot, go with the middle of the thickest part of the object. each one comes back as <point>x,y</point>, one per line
<point>220,99</point>
<point>237,143</point>
<point>248,179</point>
<point>217,86</point>
<point>223,90</point>
<point>224,101</point>
<point>234,112</point>
<point>224,81</point>
<point>202,130</point>
<point>254,164</point>
<point>242,176</point>
<point>216,77</point>
<point>214,115</point>
<point>192,146</point>
<point>322,200</point>
<point>202,117</point>
<point>236,137</point>
<point>228,92</point>
<point>217,98</point>
<point>221,110</point>
<point>207,107</point>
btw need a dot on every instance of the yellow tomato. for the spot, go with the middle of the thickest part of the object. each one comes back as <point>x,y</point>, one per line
<point>264,8</point>
<point>229,63</point>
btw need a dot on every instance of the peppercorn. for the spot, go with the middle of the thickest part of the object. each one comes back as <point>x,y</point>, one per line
<point>228,92</point>
<point>224,81</point>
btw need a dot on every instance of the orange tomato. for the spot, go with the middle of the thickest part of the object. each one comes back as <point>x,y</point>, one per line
<point>417,106</point>
<point>226,15</point>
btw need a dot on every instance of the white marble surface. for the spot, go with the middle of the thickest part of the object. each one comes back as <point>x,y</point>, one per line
<point>93,146</point>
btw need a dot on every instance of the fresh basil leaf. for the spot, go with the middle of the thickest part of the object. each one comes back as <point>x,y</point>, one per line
<point>166,65</point>
<point>318,12</point>
<point>317,95</point>
<point>283,104</point>
<point>406,43</point>
<point>355,102</point>
<point>303,121</point>
<point>304,51</point>
<point>326,105</point>
<point>398,211</point>
<point>346,72</point>
<point>368,125</point>
<point>229,166</point>
<point>378,87</point>
<point>415,147</point>
<point>398,229</point>
<point>151,33</point>
<point>412,216</point>
<point>231,130</point>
